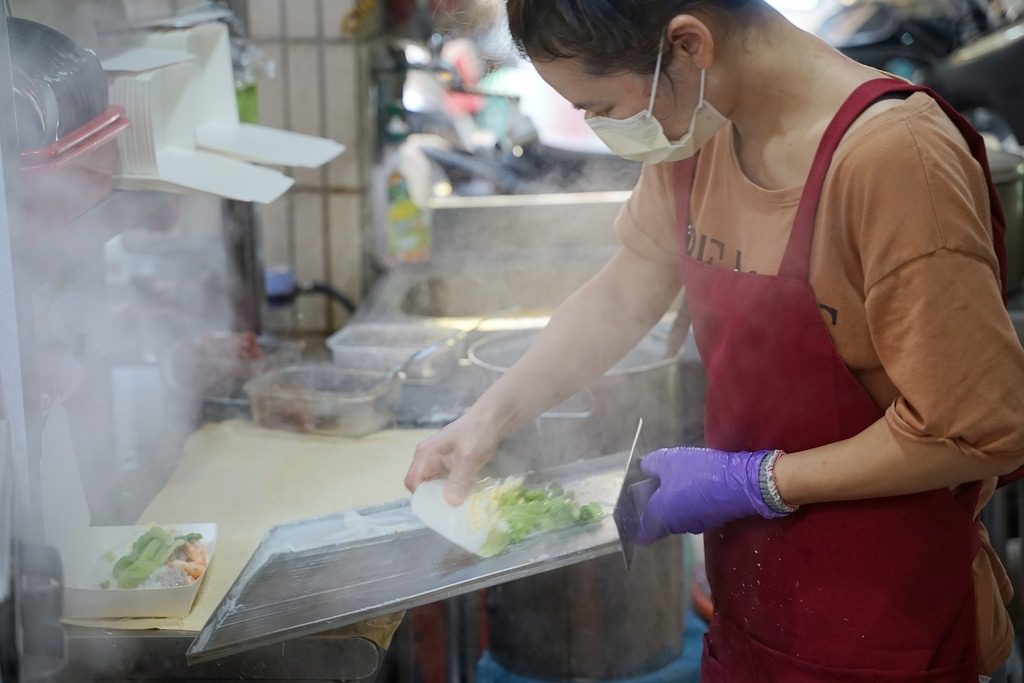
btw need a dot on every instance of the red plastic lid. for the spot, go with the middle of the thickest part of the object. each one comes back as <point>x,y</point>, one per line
<point>83,139</point>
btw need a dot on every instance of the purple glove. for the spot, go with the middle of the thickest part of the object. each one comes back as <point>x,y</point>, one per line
<point>701,489</point>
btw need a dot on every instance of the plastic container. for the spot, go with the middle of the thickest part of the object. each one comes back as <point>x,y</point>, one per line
<point>424,354</point>
<point>64,180</point>
<point>323,398</point>
<point>213,370</point>
<point>59,85</point>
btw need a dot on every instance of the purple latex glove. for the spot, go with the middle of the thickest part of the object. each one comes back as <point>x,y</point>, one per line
<point>701,489</point>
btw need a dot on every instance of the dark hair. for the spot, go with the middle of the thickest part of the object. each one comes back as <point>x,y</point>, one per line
<point>608,35</point>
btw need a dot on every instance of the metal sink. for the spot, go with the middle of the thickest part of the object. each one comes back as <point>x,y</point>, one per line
<point>514,290</point>
<point>494,253</point>
<point>521,228</point>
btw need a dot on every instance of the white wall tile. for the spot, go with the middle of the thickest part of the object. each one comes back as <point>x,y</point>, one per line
<point>148,9</point>
<point>346,242</point>
<point>304,88</point>
<point>334,11</point>
<point>345,172</point>
<point>274,229</point>
<point>305,97</point>
<point>345,120</point>
<point>271,91</point>
<point>309,257</point>
<point>265,18</point>
<point>302,18</point>
<point>309,179</point>
<point>369,114</point>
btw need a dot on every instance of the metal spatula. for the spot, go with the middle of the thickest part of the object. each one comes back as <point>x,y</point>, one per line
<point>637,489</point>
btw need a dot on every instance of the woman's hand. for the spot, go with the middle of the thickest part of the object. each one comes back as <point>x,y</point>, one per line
<point>586,336</point>
<point>458,451</point>
<point>702,489</point>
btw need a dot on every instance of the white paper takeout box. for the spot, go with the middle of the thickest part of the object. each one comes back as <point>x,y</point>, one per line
<point>218,127</point>
<point>159,150</point>
<point>85,570</point>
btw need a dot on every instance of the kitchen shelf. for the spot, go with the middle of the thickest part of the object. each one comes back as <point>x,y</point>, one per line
<point>159,656</point>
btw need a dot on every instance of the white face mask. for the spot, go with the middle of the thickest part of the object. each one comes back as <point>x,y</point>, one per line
<point>642,138</point>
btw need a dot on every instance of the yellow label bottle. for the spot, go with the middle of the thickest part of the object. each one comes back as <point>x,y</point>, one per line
<point>408,233</point>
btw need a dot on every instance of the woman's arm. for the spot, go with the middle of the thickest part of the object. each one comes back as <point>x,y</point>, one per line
<point>946,343</point>
<point>873,465</point>
<point>586,336</point>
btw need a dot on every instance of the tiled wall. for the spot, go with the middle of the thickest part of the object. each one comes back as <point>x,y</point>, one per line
<point>322,88</point>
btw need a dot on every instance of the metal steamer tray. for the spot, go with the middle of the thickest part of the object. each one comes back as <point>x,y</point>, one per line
<point>324,573</point>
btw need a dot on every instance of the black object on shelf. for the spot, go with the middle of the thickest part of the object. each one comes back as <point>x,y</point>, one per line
<point>282,290</point>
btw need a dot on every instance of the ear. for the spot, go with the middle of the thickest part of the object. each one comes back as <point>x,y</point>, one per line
<point>692,40</point>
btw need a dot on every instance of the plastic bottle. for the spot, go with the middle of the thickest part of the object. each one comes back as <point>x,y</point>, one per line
<point>279,315</point>
<point>401,217</point>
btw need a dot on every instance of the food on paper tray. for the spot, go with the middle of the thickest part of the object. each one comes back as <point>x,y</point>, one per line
<point>137,571</point>
<point>159,559</point>
<point>499,513</point>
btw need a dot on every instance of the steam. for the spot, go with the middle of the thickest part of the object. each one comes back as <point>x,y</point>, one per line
<point>144,273</point>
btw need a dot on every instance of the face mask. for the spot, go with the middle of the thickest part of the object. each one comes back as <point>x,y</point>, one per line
<point>642,138</point>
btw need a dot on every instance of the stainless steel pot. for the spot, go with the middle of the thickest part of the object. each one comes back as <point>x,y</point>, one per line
<point>1008,175</point>
<point>644,384</point>
<point>558,437</point>
<point>592,621</point>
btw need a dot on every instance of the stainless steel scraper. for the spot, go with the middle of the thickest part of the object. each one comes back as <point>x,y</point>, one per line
<point>637,489</point>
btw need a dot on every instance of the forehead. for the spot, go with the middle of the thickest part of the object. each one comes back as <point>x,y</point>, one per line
<point>573,82</point>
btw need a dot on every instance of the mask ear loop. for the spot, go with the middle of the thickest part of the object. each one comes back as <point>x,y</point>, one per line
<point>701,101</point>
<point>657,76</point>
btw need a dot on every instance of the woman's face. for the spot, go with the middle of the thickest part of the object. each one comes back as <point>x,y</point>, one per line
<point>622,95</point>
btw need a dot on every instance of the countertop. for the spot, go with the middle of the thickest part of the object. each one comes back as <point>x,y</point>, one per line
<point>248,480</point>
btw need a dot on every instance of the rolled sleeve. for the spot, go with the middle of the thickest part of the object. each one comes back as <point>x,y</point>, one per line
<point>948,345</point>
<point>647,223</point>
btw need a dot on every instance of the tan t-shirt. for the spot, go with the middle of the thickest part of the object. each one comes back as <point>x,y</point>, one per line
<point>904,272</point>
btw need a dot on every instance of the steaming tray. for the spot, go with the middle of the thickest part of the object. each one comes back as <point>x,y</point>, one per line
<point>324,573</point>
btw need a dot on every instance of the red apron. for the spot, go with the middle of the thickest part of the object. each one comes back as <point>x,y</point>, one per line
<point>877,590</point>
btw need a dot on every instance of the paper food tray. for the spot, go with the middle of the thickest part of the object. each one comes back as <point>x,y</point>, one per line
<point>217,121</point>
<point>84,599</point>
<point>159,151</point>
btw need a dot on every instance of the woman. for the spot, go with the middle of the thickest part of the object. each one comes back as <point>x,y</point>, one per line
<point>839,245</point>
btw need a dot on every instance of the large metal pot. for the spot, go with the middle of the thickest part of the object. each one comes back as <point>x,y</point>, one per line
<point>593,621</point>
<point>1008,175</point>
<point>644,384</point>
<point>557,437</point>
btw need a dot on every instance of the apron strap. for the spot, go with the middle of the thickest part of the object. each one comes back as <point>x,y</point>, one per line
<point>797,261</point>
<point>684,173</point>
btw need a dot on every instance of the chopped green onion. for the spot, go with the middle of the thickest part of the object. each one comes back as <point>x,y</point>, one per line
<point>522,512</point>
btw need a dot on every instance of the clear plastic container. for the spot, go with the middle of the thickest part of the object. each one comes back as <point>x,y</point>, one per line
<point>213,370</point>
<point>424,354</point>
<point>324,398</point>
